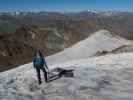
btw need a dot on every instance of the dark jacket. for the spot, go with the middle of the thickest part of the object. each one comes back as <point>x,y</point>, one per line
<point>39,62</point>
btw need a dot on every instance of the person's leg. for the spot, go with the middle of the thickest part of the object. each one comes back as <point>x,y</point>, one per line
<point>38,75</point>
<point>45,74</point>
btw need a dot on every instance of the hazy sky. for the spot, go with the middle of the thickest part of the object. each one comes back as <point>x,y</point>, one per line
<point>65,5</point>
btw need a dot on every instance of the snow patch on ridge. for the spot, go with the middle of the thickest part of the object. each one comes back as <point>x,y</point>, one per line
<point>102,40</point>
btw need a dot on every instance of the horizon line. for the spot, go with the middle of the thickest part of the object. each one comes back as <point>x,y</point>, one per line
<point>65,11</point>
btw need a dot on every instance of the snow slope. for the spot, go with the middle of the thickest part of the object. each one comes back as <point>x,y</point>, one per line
<point>102,40</point>
<point>107,77</point>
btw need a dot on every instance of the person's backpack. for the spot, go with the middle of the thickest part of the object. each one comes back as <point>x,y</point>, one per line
<point>38,62</point>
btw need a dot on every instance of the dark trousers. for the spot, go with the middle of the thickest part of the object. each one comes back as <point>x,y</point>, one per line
<point>38,69</point>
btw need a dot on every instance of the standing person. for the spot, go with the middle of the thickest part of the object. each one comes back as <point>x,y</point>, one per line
<point>40,64</point>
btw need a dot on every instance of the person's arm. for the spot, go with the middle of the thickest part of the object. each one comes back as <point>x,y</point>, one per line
<point>34,62</point>
<point>33,65</point>
<point>45,64</point>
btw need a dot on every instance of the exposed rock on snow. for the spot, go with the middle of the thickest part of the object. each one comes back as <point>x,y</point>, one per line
<point>107,77</point>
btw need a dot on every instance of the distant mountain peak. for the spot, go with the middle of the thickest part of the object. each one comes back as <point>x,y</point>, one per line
<point>94,11</point>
